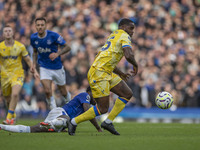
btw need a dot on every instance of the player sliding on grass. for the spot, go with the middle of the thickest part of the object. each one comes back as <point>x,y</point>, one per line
<point>57,117</point>
<point>102,80</point>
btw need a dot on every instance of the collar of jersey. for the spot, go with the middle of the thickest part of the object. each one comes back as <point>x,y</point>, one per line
<point>44,36</point>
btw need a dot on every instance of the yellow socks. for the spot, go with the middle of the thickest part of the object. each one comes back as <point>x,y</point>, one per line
<point>119,105</point>
<point>11,114</point>
<point>91,113</point>
<point>88,115</point>
<point>14,115</point>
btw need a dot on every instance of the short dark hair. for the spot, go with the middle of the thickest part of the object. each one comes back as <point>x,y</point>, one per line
<point>124,21</point>
<point>88,89</point>
<point>7,26</point>
<point>41,18</point>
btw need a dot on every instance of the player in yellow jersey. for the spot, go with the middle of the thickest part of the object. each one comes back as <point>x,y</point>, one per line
<point>103,77</point>
<point>12,73</point>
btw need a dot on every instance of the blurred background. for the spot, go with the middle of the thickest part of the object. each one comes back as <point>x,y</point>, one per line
<point>166,44</point>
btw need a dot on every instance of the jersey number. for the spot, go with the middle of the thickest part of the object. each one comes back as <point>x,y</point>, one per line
<point>108,43</point>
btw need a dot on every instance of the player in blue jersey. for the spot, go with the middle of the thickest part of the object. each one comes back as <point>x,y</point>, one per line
<point>57,117</point>
<point>45,44</point>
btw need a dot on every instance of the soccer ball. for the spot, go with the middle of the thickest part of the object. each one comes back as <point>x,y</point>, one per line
<point>164,100</point>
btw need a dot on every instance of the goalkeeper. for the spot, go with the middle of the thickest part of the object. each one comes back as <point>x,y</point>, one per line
<point>57,117</point>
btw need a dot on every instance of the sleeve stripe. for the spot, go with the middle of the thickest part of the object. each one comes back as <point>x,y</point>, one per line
<point>25,55</point>
<point>126,46</point>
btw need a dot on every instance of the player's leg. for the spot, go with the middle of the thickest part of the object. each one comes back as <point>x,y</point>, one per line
<point>9,115</point>
<point>46,80</point>
<point>16,128</point>
<point>125,94</point>
<point>23,128</point>
<point>58,124</point>
<point>6,91</point>
<point>11,92</point>
<point>100,91</point>
<point>66,95</point>
<point>14,97</point>
<point>38,128</point>
<point>47,84</point>
<point>56,119</point>
<point>7,98</point>
<point>102,103</point>
<point>120,88</point>
<point>60,79</point>
<point>100,108</point>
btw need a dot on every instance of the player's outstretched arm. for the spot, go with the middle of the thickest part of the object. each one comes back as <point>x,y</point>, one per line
<point>128,53</point>
<point>65,48</point>
<point>86,106</point>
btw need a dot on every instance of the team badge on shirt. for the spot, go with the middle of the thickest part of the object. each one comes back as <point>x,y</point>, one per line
<point>36,42</point>
<point>60,38</point>
<point>49,42</point>
<point>88,98</point>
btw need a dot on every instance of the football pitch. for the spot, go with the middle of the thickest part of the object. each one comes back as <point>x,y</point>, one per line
<point>134,136</point>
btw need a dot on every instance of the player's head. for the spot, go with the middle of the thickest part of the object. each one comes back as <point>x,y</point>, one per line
<point>127,25</point>
<point>92,101</point>
<point>40,25</point>
<point>8,32</point>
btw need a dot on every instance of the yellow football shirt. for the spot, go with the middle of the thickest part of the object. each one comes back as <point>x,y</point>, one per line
<point>111,53</point>
<point>11,58</point>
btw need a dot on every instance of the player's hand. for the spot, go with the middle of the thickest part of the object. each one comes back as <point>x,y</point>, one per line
<point>53,56</point>
<point>125,76</point>
<point>100,130</point>
<point>32,69</point>
<point>36,75</point>
<point>135,70</point>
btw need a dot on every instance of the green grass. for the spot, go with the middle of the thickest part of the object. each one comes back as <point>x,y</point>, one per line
<point>134,136</point>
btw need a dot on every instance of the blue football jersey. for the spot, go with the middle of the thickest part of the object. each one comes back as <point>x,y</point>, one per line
<point>45,46</point>
<point>75,106</point>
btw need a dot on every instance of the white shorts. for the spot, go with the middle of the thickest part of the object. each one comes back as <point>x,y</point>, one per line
<point>55,113</point>
<point>58,76</point>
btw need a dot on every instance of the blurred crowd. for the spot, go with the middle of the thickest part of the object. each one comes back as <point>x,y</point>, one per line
<point>166,44</point>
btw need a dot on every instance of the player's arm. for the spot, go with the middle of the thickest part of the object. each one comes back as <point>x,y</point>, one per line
<point>34,57</point>
<point>128,53</point>
<point>33,68</point>
<point>64,49</point>
<point>86,106</point>
<point>28,61</point>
